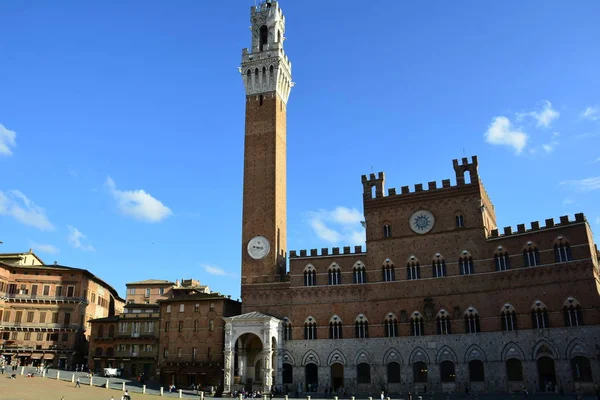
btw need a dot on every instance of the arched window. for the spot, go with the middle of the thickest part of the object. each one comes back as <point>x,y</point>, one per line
<point>508,318</point>
<point>514,370</point>
<point>472,321</point>
<point>438,266</point>
<point>387,231</point>
<point>476,372</point>
<point>413,268</point>
<point>501,259</point>
<point>582,371</point>
<point>420,372</point>
<point>110,352</point>
<point>447,372</point>
<point>573,314</point>
<point>335,327</point>
<point>111,331</point>
<point>310,276</point>
<point>416,324</point>
<point>287,329</point>
<point>359,273</point>
<point>363,373</point>
<point>465,263</point>
<point>460,221</point>
<point>539,316</point>
<point>310,329</point>
<point>393,372</point>
<point>361,327</point>
<point>562,250</point>
<point>264,37</point>
<point>101,331</point>
<point>98,352</point>
<point>335,274</point>
<point>388,272</point>
<point>443,323</point>
<point>390,325</point>
<point>531,255</point>
<point>288,375</point>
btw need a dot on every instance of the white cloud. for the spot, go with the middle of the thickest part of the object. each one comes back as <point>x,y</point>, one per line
<point>544,116</point>
<point>500,132</point>
<point>15,204</point>
<point>340,225</point>
<point>568,201</point>
<point>591,113</point>
<point>596,161</point>
<point>8,139</point>
<point>212,270</point>
<point>584,185</point>
<point>75,239</point>
<point>45,248</point>
<point>138,204</point>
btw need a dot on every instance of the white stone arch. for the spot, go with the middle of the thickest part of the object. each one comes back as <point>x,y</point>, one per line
<point>309,268</point>
<point>358,265</point>
<point>310,320</point>
<point>577,348</point>
<point>335,319</point>
<point>571,301</point>
<point>361,318</point>
<point>392,355</point>
<point>419,354</point>
<point>336,357</point>
<point>288,358</point>
<point>311,357</point>
<point>446,354</point>
<point>538,305</point>
<point>474,352</point>
<point>390,317</point>
<point>512,350</point>
<point>471,311</point>
<point>412,260</point>
<point>334,266</point>
<point>388,263</point>
<point>507,308</point>
<point>363,356</point>
<point>544,348</point>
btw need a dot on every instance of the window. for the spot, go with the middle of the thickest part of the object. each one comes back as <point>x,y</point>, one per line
<point>93,297</point>
<point>438,266</point>
<point>40,337</point>
<point>363,373</point>
<point>123,327</point>
<point>180,326</point>
<point>390,326</point>
<point>15,335</point>
<point>447,372</point>
<point>460,221</point>
<point>393,372</point>
<point>388,271</point>
<point>122,347</point>
<point>161,291</point>
<point>335,275</point>
<point>132,291</point>
<point>34,289</point>
<point>27,336</point>
<point>194,354</point>
<point>98,352</point>
<point>165,353</point>
<point>359,273</point>
<point>167,325</point>
<point>514,370</point>
<point>572,312</point>
<point>67,320</point>
<point>100,331</point>
<point>472,321</point>
<point>168,308</point>
<point>310,329</point>
<point>310,276</point>
<point>287,329</point>
<point>387,231</point>
<point>361,327</point>
<point>335,328</point>
<point>55,318</point>
<point>539,316</point>
<point>147,293</point>
<point>18,317</point>
<point>581,368</point>
<point>531,255</point>
<point>135,329</point>
<point>149,326</point>
<point>179,352</point>
<point>59,291</point>
<point>413,269</point>
<point>211,306</point>
<point>501,260</point>
<point>196,307</point>
<point>416,324</point>
<point>148,348</point>
<point>465,263</point>
<point>65,337</point>
<point>42,317</point>
<point>562,250</point>
<point>443,323</point>
<point>111,331</point>
<point>476,373</point>
<point>508,318</point>
<point>70,291</point>
<point>420,372</point>
<point>196,325</point>
<point>6,316</point>
<point>182,308</point>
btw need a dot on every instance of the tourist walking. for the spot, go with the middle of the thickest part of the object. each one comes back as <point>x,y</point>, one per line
<point>77,383</point>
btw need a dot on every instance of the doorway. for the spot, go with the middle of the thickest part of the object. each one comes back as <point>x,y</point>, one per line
<point>337,376</point>
<point>312,377</point>
<point>547,374</point>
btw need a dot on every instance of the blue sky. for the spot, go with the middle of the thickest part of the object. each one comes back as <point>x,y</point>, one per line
<point>122,123</point>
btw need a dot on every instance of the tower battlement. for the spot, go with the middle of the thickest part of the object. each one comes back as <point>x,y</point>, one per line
<point>535,226</point>
<point>325,252</point>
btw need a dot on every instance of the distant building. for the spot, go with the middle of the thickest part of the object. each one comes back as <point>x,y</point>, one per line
<point>44,310</point>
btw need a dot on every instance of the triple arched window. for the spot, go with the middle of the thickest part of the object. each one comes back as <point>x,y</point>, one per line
<point>465,263</point>
<point>390,325</point>
<point>438,266</point>
<point>413,268</point>
<point>335,274</point>
<point>501,259</point>
<point>361,327</point>
<point>531,255</point>
<point>387,271</point>
<point>417,324</point>
<point>310,329</point>
<point>539,315</point>
<point>335,327</point>
<point>310,276</point>
<point>443,323</point>
<point>562,250</point>
<point>287,329</point>
<point>508,318</point>
<point>573,314</point>
<point>359,273</point>
<point>472,321</point>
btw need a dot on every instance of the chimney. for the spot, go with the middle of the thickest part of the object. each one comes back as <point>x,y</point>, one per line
<point>177,283</point>
<point>55,262</point>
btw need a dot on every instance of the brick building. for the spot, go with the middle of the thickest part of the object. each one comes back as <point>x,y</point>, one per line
<point>44,310</point>
<point>439,298</point>
<point>192,334</point>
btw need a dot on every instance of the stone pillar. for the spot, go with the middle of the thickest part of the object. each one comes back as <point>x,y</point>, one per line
<point>241,355</point>
<point>107,383</point>
<point>279,371</point>
<point>180,394</point>
<point>123,386</point>
<point>143,389</point>
<point>162,391</point>
<point>228,370</point>
<point>267,355</point>
<point>73,378</point>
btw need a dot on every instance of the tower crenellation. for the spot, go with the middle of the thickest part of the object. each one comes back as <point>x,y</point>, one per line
<point>265,66</point>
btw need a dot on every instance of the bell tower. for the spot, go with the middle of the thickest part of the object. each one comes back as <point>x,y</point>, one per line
<point>266,72</point>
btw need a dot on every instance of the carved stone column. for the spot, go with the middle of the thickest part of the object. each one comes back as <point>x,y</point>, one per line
<point>268,369</point>
<point>228,370</point>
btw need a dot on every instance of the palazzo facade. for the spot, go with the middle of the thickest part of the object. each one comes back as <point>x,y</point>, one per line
<point>439,300</point>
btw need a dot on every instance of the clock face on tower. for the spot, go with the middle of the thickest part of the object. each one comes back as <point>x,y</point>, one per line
<point>421,222</point>
<point>258,247</point>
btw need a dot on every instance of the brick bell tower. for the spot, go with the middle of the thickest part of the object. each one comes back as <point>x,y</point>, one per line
<point>266,72</point>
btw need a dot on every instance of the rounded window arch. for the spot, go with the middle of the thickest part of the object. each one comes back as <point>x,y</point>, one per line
<point>572,312</point>
<point>335,327</point>
<point>310,329</point>
<point>508,318</point>
<point>531,254</point>
<point>359,272</point>
<point>472,321</point>
<point>287,329</point>
<point>388,271</point>
<point>361,327</point>
<point>264,37</point>
<point>459,219</point>
<point>501,259</point>
<point>390,325</point>
<point>417,324</point>
<point>438,266</point>
<point>413,268</point>
<point>310,275</point>
<point>334,274</point>
<point>562,250</point>
<point>101,331</point>
<point>443,322</point>
<point>387,230</point>
<point>465,263</point>
<point>539,315</point>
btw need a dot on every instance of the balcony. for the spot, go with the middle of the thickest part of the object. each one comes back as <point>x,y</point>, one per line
<point>35,326</point>
<point>35,298</point>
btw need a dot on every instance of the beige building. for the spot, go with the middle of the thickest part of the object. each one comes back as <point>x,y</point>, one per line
<point>44,310</point>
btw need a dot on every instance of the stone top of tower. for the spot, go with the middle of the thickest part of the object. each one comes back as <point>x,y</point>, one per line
<point>265,66</point>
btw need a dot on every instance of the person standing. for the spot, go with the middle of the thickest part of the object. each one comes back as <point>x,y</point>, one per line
<point>77,383</point>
